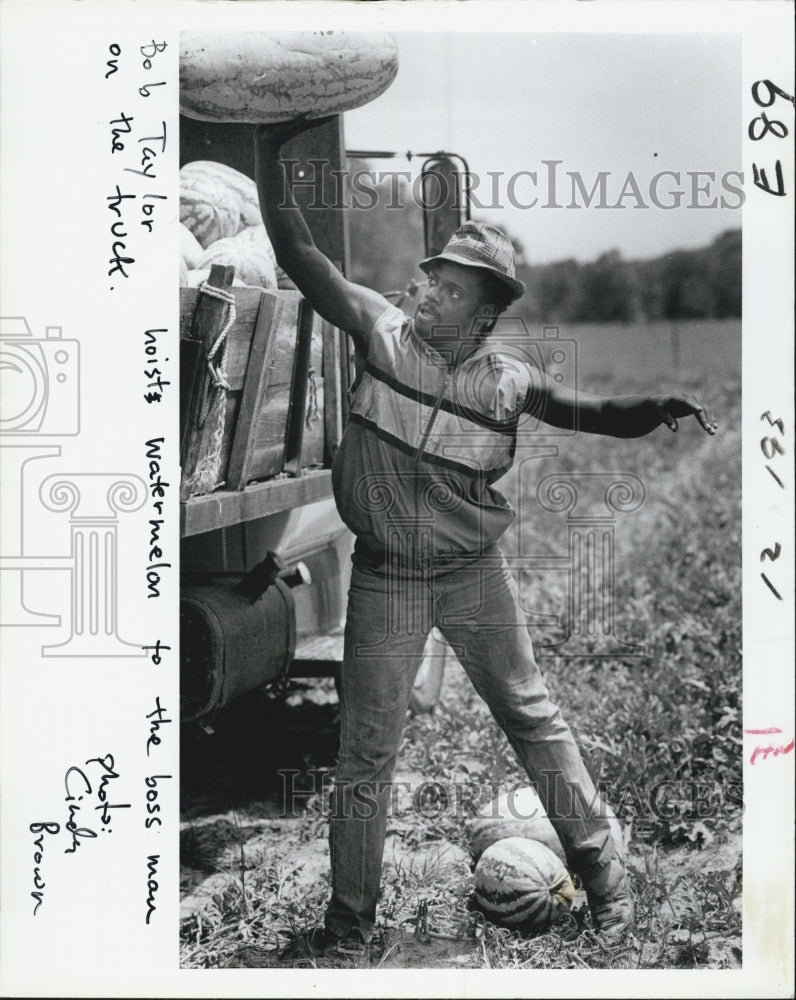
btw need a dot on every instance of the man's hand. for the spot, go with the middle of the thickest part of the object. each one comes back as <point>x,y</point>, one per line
<point>672,407</point>
<point>275,136</point>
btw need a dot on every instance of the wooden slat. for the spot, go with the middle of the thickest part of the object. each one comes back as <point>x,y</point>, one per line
<point>298,390</point>
<point>253,396</point>
<point>271,420</point>
<point>231,406</point>
<point>207,322</point>
<point>346,373</point>
<point>269,447</point>
<point>188,299</point>
<point>332,401</point>
<point>247,307</point>
<point>191,361</point>
<point>316,347</point>
<point>239,344</point>
<point>312,446</point>
<point>224,508</point>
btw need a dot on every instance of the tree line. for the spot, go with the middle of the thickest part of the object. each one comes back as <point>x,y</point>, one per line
<point>683,284</point>
<point>386,243</point>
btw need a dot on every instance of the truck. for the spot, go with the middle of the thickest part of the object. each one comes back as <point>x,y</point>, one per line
<point>265,558</point>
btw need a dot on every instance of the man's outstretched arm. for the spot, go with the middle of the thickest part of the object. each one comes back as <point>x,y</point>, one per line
<point>351,307</point>
<point>617,416</point>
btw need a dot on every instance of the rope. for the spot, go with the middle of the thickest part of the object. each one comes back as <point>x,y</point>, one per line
<point>218,376</point>
<point>213,401</point>
<point>313,411</point>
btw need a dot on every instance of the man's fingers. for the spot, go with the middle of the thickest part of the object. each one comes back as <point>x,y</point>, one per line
<point>682,406</point>
<point>705,418</point>
<point>284,131</point>
<point>303,123</point>
<point>320,121</point>
<point>707,421</point>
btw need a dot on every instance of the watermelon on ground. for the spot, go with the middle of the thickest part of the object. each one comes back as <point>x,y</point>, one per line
<point>518,812</point>
<point>520,883</point>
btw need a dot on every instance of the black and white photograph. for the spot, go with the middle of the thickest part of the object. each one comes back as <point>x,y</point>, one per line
<point>397,499</point>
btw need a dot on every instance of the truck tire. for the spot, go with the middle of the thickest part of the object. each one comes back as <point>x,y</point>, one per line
<point>430,674</point>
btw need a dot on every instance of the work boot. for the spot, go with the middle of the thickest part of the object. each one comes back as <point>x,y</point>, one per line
<point>323,943</point>
<point>610,901</point>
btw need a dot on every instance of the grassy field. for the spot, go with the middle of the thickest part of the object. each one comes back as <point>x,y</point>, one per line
<point>700,351</point>
<point>252,878</point>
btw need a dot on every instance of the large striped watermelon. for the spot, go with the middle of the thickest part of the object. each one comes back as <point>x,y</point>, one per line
<point>253,260</point>
<point>519,812</point>
<point>209,208</point>
<point>201,173</point>
<point>273,76</point>
<point>521,883</point>
<point>190,248</point>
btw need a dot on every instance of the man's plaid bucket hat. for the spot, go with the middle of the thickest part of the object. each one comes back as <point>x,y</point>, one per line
<point>476,244</point>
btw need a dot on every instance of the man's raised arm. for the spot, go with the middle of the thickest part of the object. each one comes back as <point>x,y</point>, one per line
<point>351,307</point>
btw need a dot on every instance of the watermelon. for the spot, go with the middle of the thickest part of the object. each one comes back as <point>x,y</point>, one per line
<point>273,76</point>
<point>515,813</point>
<point>520,883</point>
<point>190,248</point>
<point>200,274</point>
<point>257,237</point>
<point>208,207</point>
<point>519,812</point>
<point>253,259</point>
<point>242,187</point>
<point>283,279</point>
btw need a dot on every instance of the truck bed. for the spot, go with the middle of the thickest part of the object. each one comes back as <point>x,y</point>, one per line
<point>224,508</point>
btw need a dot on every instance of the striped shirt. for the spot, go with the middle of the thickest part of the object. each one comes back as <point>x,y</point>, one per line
<point>424,442</point>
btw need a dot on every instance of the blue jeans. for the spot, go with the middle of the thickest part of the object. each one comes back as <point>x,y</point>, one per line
<point>476,608</point>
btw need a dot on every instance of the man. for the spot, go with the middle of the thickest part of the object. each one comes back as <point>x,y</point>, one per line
<point>432,425</point>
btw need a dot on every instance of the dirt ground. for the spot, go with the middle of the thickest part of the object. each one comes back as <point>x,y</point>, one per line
<point>234,829</point>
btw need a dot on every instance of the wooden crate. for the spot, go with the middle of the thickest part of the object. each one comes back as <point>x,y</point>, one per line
<point>277,415</point>
<point>201,321</point>
<point>281,424</point>
<point>258,449</point>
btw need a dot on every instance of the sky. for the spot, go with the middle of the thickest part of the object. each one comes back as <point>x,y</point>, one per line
<point>617,103</point>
